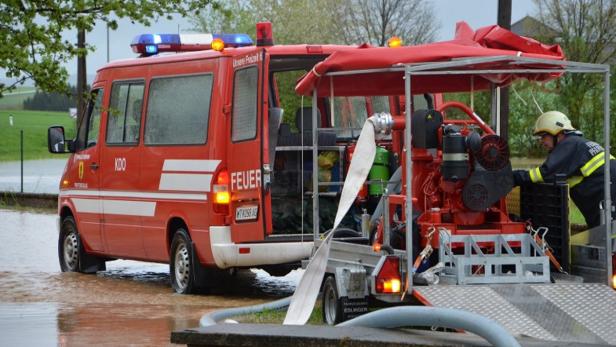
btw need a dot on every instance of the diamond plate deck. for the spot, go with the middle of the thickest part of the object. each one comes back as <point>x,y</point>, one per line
<point>591,304</point>
<point>556,312</point>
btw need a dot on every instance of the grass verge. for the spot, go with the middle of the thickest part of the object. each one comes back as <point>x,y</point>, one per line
<point>277,316</point>
<point>38,203</point>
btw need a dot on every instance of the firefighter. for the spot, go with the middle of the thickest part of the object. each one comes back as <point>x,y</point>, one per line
<point>575,157</point>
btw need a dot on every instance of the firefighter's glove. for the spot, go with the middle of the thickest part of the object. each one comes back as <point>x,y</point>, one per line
<point>518,177</point>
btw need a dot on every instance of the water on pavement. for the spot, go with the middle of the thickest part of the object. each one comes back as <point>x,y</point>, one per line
<point>129,304</point>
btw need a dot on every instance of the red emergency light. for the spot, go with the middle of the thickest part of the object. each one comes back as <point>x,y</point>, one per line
<point>265,36</point>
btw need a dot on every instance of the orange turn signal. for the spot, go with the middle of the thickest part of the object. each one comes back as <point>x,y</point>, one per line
<point>391,286</point>
<point>394,42</point>
<point>218,45</point>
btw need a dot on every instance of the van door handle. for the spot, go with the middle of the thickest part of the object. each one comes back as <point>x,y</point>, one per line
<point>93,166</point>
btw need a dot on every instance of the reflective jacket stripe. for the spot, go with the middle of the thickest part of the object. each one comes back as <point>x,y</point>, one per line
<point>593,164</point>
<point>574,180</point>
<point>535,175</point>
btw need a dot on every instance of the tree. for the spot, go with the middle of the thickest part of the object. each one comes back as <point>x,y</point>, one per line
<point>586,32</point>
<point>231,16</point>
<point>293,21</point>
<point>32,44</point>
<point>375,21</point>
<point>324,21</point>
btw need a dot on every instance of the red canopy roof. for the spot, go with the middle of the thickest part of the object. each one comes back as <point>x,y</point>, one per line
<point>487,41</point>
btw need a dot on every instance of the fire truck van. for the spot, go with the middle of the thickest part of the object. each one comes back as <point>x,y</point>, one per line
<point>174,160</point>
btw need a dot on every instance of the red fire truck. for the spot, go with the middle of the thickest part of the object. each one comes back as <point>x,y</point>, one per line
<point>174,159</point>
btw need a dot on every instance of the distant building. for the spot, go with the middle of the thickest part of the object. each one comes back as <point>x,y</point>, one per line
<point>531,27</point>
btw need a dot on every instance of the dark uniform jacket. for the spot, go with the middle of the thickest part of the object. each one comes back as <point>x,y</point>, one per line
<point>581,161</point>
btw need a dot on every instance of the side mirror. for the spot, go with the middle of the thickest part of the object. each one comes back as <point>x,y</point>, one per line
<point>56,143</point>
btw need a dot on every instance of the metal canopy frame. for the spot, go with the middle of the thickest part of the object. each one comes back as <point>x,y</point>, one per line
<point>478,66</point>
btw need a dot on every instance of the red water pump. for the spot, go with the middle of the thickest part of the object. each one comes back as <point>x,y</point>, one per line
<point>460,176</point>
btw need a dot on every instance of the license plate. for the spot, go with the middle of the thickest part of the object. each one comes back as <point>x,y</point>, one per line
<point>246,212</point>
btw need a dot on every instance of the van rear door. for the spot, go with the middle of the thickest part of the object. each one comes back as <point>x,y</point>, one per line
<point>250,202</point>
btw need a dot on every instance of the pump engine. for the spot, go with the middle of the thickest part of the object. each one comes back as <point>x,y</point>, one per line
<point>461,176</point>
<point>461,179</point>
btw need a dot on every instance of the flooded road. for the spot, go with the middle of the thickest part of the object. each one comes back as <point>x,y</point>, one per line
<point>129,304</point>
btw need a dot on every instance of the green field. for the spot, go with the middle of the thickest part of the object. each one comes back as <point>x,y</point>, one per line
<point>15,99</point>
<point>34,124</point>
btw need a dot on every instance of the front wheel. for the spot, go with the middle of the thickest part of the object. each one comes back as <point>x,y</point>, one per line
<point>181,267</point>
<point>71,254</point>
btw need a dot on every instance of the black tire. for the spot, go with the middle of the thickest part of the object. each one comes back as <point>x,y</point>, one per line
<point>181,264</point>
<point>341,233</point>
<point>71,253</point>
<point>281,270</point>
<point>332,307</point>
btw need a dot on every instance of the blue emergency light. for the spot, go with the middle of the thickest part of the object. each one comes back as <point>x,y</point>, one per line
<point>150,44</point>
<point>234,40</point>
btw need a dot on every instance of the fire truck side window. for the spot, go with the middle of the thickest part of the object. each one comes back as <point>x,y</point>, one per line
<point>244,121</point>
<point>90,124</point>
<point>124,117</point>
<point>380,104</point>
<point>178,110</point>
<point>350,112</point>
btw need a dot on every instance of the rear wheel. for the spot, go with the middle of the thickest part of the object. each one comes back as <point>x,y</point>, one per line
<point>181,267</point>
<point>332,306</point>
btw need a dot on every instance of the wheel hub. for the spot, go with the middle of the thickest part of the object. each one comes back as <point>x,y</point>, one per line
<point>330,305</point>
<point>182,266</point>
<point>71,250</point>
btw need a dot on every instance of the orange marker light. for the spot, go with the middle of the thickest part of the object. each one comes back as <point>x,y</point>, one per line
<point>614,281</point>
<point>391,286</point>
<point>394,42</point>
<point>222,197</point>
<point>376,247</point>
<point>218,45</point>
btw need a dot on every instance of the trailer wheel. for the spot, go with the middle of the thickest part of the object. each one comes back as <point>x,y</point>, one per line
<point>181,267</point>
<point>332,305</point>
<point>71,254</point>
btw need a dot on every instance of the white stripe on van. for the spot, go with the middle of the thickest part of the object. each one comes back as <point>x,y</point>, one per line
<point>187,182</point>
<point>88,205</point>
<point>190,165</point>
<point>132,194</point>
<point>118,207</point>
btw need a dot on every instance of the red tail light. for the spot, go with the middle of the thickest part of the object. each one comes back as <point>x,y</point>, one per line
<point>222,196</point>
<point>388,281</point>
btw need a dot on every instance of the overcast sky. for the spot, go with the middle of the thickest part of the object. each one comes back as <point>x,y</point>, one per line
<point>476,13</point>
